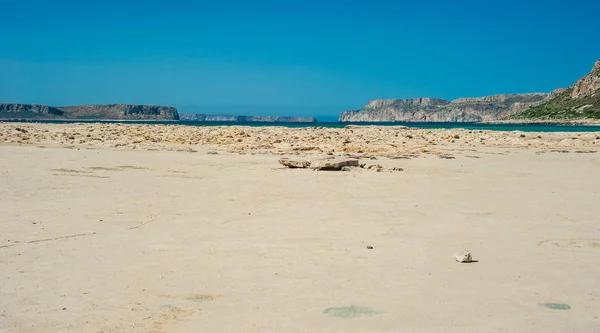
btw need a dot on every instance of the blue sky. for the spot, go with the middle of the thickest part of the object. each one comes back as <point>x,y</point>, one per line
<point>289,57</point>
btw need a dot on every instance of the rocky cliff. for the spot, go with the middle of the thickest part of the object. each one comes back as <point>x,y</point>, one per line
<point>28,111</point>
<point>88,112</point>
<point>438,110</point>
<point>266,119</point>
<point>579,101</point>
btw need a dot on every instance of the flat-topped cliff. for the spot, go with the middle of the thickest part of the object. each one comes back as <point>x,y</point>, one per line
<point>88,112</point>
<point>438,110</point>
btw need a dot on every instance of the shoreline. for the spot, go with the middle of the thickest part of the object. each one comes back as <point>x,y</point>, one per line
<point>566,122</point>
<point>549,122</point>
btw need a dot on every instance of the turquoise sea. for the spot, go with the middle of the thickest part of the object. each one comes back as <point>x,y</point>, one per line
<point>469,126</point>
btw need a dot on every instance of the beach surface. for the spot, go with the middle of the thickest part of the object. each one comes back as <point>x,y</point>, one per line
<point>154,228</point>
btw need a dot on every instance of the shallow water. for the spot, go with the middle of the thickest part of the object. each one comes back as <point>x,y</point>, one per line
<point>427,125</point>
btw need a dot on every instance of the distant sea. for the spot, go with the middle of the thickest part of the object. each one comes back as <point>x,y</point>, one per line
<point>428,125</point>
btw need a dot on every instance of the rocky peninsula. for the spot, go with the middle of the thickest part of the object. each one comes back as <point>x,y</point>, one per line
<point>14,111</point>
<point>88,112</point>
<point>244,119</point>
<point>580,102</point>
<point>438,110</point>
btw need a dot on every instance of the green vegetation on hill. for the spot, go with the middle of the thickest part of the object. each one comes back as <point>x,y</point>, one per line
<point>563,106</point>
<point>579,101</point>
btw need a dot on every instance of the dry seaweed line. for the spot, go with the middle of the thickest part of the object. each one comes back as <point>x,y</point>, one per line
<point>49,239</point>
<point>143,224</point>
<point>208,246</point>
<point>140,225</point>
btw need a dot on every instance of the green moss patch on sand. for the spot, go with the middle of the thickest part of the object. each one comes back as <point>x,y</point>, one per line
<point>556,306</point>
<point>351,311</point>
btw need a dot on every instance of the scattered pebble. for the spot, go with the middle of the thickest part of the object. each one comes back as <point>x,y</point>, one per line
<point>465,257</point>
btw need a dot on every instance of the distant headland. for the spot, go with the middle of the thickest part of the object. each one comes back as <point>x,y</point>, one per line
<point>233,118</point>
<point>124,112</point>
<point>580,102</point>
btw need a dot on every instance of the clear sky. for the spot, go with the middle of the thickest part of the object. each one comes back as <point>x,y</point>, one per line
<point>289,57</point>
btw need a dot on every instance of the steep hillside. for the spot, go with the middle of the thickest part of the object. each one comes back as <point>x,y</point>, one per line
<point>579,101</point>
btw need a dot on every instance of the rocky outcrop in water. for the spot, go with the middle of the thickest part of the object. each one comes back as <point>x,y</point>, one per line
<point>88,112</point>
<point>438,110</point>
<point>265,119</point>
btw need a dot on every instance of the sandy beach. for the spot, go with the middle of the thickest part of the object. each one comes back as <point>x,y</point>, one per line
<point>165,228</point>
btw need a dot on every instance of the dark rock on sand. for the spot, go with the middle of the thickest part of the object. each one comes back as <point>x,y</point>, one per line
<point>294,164</point>
<point>333,163</point>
